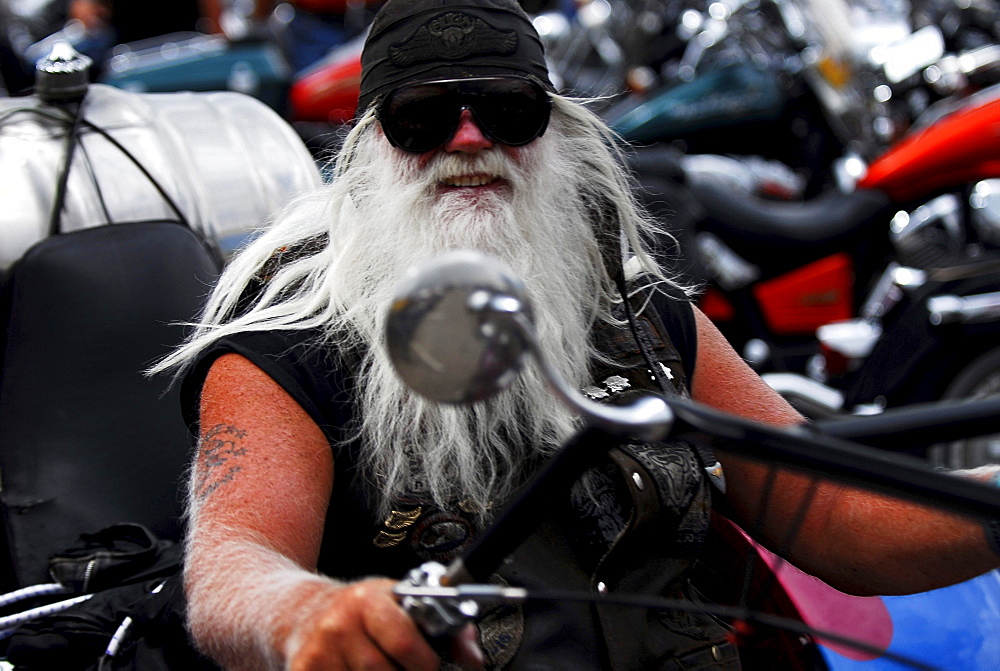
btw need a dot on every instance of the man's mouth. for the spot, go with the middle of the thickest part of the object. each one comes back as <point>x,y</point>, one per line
<point>469,180</point>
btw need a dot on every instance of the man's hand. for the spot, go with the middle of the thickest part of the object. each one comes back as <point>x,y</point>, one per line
<point>362,626</point>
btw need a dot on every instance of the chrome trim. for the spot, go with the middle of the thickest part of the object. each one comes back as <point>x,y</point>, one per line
<point>794,385</point>
<point>950,309</point>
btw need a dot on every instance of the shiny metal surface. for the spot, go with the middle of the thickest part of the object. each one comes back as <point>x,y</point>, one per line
<point>796,386</point>
<point>976,309</point>
<point>227,160</point>
<point>447,333</point>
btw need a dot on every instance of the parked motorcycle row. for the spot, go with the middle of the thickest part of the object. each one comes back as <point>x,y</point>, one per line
<point>832,177</point>
<point>827,167</point>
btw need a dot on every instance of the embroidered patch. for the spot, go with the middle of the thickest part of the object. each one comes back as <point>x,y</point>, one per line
<point>616,383</point>
<point>453,36</point>
<point>396,525</point>
<point>595,393</point>
<point>400,519</point>
<point>441,536</point>
<point>384,539</point>
<point>612,385</point>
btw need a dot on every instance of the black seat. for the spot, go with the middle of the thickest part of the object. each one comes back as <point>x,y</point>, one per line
<point>86,440</point>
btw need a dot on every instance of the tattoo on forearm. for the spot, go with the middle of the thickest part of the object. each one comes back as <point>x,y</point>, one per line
<point>218,459</point>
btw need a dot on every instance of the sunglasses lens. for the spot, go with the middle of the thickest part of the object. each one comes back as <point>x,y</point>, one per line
<point>513,113</point>
<point>421,117</point>
<point>418,118</point>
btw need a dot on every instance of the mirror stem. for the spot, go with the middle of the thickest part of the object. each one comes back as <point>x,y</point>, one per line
<point>648,418</point>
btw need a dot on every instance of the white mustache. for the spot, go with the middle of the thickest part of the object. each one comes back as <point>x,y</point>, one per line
<point>464,170</point>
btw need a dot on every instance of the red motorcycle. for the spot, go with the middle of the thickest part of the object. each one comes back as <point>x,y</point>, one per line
<point>328,92</point>
<point>780,270</point>
<point>888,293</point>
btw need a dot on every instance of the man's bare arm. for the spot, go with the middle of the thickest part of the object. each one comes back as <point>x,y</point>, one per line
<point>857,541</point>
<point>260,487</point>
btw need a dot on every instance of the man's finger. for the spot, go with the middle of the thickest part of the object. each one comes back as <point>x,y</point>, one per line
<point>465,648</point>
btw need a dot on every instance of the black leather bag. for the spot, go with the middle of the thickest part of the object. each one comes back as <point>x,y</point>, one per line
<point>134,621</point>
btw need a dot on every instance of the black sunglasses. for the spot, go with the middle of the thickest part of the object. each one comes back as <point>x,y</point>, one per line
<point>423,116</point>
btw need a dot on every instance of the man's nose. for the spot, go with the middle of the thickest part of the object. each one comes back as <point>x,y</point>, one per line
<point>468,137</point>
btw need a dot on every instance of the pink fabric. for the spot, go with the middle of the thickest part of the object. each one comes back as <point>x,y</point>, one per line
<point>822,607</point>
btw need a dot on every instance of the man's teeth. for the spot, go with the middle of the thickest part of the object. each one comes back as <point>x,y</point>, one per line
<point>469,180</point>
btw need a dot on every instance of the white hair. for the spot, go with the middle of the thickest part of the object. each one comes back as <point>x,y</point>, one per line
<point>348,245</point>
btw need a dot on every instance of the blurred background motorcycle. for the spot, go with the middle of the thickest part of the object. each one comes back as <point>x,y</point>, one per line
<point>830,173</point>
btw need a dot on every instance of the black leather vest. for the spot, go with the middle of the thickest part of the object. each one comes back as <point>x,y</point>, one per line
<point>635,523</point>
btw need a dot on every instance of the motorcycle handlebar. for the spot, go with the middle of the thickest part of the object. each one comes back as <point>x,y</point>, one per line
<point>465,309</point>
<point>467,290</point>
<point>822,449</point>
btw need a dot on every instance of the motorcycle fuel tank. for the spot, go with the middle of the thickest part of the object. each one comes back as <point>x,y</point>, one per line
<point>963,146</point>
<point>730,95</point>
<point>225,159</point>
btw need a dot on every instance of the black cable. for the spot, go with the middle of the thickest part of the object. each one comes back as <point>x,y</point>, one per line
<point>758,525</point>
<point>96,182</point>
<point>31,110</point>
<point>78,119</point>
<point>634,325</point>
<point>73,120</point>
<point>152,180</point>
<point>784,548</point>
<point>732,613</point>
<point>211,244</point>
<point>72,141</point>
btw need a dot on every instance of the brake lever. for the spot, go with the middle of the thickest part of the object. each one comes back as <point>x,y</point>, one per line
<point>439,613</point>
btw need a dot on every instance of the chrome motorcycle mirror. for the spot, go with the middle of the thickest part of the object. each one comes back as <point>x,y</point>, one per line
<point>458,330</point>
<point>451,332</point>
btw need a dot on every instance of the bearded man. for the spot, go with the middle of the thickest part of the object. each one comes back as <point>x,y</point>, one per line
<point>317,469</point>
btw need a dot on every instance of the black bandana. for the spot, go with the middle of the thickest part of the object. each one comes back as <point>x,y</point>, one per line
<point>418,40</point>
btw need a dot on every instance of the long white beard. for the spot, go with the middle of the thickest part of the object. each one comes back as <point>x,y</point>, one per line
<point>392,217</point>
